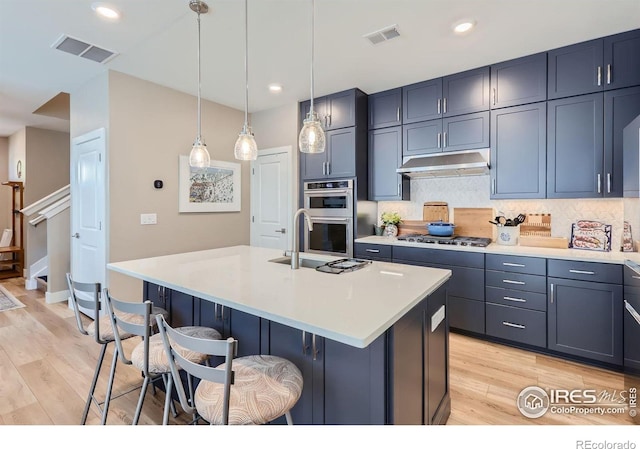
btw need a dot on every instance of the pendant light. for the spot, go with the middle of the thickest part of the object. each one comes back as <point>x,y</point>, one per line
<point>311,139</point>
<point>199,156</point>
<point>246,148</point>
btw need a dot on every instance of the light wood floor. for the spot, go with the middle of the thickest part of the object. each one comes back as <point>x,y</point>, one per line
<point>46,367</point>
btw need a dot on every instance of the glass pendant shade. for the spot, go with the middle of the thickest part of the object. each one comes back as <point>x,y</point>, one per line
<point>311,139</point>
<point>246,148</point>
<point>199,156</point>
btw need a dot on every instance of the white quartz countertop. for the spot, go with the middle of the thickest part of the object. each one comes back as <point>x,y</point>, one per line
<point>617,257</point>
<point>353,307</point>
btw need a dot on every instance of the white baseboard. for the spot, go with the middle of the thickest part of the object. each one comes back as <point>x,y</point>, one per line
<point>60,296</point>
<point>30,284</point>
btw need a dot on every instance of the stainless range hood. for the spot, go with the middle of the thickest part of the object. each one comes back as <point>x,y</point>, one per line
<point>458,163</point>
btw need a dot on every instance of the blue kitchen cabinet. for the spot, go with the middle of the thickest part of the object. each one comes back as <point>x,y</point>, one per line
<point>462,132</point>
<point>631,325</point>
<point>585,310</point>
<point>385,109</point>
<point>180,306</point>
<point>466,92</point>
<point>519,151</point>
<point>338,159</point>
<point>372,251</point>
<point>385,156</point>
<point>519,81</point>
<point>608,63</point>
<point>335,111</point>
<point>621,106</point>
<point>575,147</point>
<point>422,101</point>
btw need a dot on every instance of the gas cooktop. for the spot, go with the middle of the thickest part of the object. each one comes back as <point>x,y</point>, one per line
<point>453,240</point>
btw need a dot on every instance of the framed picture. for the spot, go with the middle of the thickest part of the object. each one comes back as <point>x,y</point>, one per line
<point>214,189</point>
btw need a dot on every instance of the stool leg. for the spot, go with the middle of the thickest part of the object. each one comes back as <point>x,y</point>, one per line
<point>143,391</point>
<point>112,374</point>
<point>288,418</point>
<point>167,401</point>
<point>92,389</point>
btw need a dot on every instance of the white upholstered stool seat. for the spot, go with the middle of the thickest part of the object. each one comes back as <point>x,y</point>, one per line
<point>265,387</point>
<point>106,329</point>
<point>158,363</point>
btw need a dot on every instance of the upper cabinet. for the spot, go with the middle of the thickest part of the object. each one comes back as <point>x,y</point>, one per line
<point>385,109</point>
<point>337,110</point>
<point>460,93</point>
<point>601,64</point>
<point>519,81</point>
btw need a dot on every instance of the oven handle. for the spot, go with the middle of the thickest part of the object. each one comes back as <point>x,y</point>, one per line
<point>324,192</point>
<point>634,314</point>
<point>321,219</point>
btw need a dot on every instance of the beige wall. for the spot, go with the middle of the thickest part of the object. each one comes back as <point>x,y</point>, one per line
<point>150,126</point>
<point>58,252</point>
<point>17,152</point>
<point>5,192</point>
<point>89,106</point>
<point>47,161</point>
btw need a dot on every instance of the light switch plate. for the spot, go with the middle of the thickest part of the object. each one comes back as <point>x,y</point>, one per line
<point>148,219</point>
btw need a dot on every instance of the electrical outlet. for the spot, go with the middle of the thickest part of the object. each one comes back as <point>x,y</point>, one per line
<point>148,219</point>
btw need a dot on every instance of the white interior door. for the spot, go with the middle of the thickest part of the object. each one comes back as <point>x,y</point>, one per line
<point>88,208</point>
<point>271,198</point>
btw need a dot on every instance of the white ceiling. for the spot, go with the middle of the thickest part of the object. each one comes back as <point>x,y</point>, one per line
<point>156,40</point>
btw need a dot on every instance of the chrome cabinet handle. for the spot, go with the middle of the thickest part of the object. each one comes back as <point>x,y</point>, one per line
<point>281,231</point>
<point>372,250</point>
<point>493,186</point>
<point>511,264</point>
<point>444,105</point>
<point>509,281</point>
<point>439,105</point>
<point>608,182</point>
<point>304,343</point>
<point>315,349</point>
<point>510,298</point>
<point>636,277</point>
<point>551,295</point>
<point>328,168</point>
<point>632,311</point>
<point>581,272</point>
<point>494,96</point>
<point>444,139</point>
<point>439,136</point>
<point>599,183</point>
<point>599,76</point>
<point>517,326</point>
<point>399,187</point>
<point>397,114</point>
<point>608,73</point>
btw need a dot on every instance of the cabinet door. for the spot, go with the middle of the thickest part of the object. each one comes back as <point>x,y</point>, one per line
<point>385,109</point>
<point>620,108</point>
<point>422,138</point>
<point>631,329</point>
<point>422,101</point>
<point>385,156</point>
<point>465,132</point>
<point>622,60</point>
<point>319,106</point>
<point>313,166</point>
<point>519,81</point>
<point>575,69</point>
<point>341,153</point>
<point>180,309</point>
<point>518,151</point>
<point>293,345</point>
<point>156,294</point>
<point>436,344</point>
<point>585,319</point>
<point>340,110</point>
<point>245,328</point>
<point>575,147</point>
<point>466,92</point>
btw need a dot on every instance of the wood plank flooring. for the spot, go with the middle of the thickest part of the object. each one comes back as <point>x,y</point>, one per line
<point>46,367</point>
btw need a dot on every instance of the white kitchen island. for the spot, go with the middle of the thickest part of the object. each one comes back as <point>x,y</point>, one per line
<point>364,340</point>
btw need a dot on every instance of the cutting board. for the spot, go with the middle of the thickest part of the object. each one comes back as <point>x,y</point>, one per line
<point>412,227</point>
<point>474,221</point>
<point>538,225</point>
<point>435,211</point>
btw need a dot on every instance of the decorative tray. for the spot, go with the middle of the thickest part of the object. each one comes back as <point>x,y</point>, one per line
<point>343,265</point>
<point>591,235</point>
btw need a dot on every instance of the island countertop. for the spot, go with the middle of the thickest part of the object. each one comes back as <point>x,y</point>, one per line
<point>352,308</point>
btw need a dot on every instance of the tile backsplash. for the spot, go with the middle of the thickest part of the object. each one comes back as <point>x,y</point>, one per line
<point>473,191</point>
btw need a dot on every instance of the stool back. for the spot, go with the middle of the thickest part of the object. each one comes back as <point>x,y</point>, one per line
<point>86,295</point>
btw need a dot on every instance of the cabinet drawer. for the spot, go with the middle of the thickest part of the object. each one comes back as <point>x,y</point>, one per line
<point>439,256</point>
<point>516,264</point>
<point>586,271</point>
<point>466,314</point>
<point>465,282</point>
<point>516,281</point>
<point>516,324</point>
<point>517,298</point>
<point>631,278</point>
<point>373,251</point>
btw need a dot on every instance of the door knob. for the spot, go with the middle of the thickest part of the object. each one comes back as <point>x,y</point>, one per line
<point>76,235</point>
<point>281,230</point>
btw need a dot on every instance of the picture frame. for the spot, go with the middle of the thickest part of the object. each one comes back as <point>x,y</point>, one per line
<point>214,189</point>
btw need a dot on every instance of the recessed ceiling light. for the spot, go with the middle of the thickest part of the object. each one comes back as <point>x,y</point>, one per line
<point>106,11</point>
<point>463,26</point>
<point>275,88</point>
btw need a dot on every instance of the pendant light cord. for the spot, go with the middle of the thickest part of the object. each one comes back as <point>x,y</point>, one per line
<point>312,42</point>
<point>199,106</point>
<point>246,66</point>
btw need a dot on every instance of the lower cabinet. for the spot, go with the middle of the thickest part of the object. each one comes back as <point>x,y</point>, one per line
<point>371,251</point>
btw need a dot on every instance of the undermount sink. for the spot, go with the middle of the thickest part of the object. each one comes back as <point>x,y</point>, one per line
<point>306,263</point>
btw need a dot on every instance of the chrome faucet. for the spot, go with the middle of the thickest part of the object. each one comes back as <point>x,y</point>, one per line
<point>295,253</point>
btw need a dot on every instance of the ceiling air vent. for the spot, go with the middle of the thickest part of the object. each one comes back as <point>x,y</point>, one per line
<point>83,49</point>
<point>382,35</point>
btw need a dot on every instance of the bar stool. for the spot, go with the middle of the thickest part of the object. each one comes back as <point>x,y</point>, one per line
<point>149,355</point>
<point>254,389</point>
<point>88,296</point>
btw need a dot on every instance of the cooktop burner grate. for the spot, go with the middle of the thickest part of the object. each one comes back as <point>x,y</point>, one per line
<point>453,240</point>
